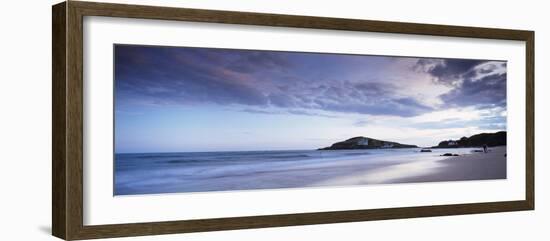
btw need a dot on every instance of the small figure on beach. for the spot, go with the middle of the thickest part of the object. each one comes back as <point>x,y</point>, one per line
<point>484,148</point>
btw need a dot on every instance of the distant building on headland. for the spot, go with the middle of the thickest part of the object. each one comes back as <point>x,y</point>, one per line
<point>452,143</point>
<point>387,145</point>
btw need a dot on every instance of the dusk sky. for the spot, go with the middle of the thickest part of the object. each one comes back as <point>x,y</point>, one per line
<point>177,99</point>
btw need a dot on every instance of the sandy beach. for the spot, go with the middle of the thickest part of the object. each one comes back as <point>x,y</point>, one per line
<point>475,166</point>
<point>471,166</point>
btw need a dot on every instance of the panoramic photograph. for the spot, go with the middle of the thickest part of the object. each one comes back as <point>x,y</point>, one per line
<point>192,119</point>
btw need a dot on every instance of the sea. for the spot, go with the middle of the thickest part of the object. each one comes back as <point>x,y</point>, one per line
<point>185,172</point>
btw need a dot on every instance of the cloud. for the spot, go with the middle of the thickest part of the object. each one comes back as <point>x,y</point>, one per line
<point>264,112</point>
<point>180,75</point>
<point>448,71</point>
<point>488,123</point>
<point>282,100</point>
<point>283,112</point>
<point>361,123</point>
<point>480,83</point>
<point>372,98</point>
<point>250,61</point>
<point>488,91</point>
<point>317,83</point>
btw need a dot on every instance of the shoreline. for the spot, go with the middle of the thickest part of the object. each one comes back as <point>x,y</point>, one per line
<point>138,177</point>
<point>475,166</point>
<point>467,167</point>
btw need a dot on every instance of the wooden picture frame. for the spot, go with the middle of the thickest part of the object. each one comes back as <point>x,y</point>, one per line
<point>67,149</point>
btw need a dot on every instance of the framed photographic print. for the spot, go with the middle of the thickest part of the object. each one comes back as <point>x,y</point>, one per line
<point>170,120</point>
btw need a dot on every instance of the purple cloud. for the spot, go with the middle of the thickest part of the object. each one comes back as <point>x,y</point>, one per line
<point>290,80</point>
<point>480,83</point>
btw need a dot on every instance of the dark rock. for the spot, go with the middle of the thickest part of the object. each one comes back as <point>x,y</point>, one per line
<point>447,154</point>
<point>425,150</point>
<point>361,142</point>
<point>489,139</point>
